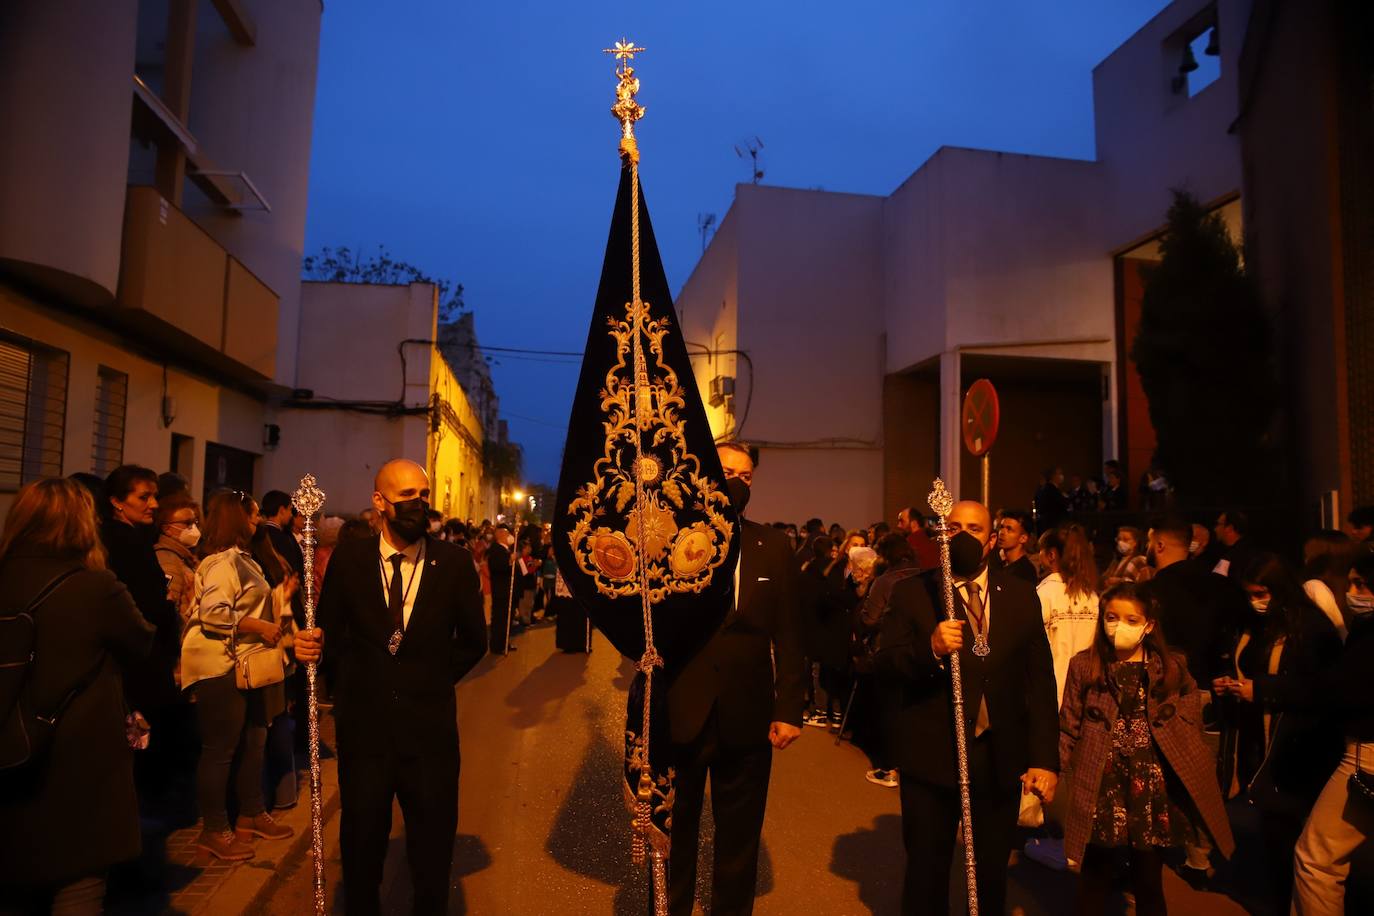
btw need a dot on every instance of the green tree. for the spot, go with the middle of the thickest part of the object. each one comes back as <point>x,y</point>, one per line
<point>343,265</point>
<point>1204,354</point>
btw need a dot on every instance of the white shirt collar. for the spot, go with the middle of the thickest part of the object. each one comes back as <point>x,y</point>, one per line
<point>387,551</point>
<point>981,579</point>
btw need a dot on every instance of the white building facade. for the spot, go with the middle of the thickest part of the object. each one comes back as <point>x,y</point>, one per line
<point>839,332</point>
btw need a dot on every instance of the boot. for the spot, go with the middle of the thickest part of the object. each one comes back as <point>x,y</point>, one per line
<point>262,825</point>
<point>225,845</point>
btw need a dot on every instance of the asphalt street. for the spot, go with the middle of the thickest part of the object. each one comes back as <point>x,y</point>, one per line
<point>543,828</point>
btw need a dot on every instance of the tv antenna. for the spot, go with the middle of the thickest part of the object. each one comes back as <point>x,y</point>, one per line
<point>752,148</point>
<point>705,223</point>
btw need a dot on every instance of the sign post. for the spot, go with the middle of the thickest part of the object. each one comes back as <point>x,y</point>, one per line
<point>981,415</point>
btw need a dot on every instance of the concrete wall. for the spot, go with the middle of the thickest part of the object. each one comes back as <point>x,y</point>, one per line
<point>252,109</point>
<point>995,253</point>
<point>455,450</point>
<point>1294,243</point>
<point>205,411</point>
<point>65,101</point>
<point>810,318</point>
<point>911,440</point>
<point>1151,139</point>
<point>708,309</point>
<point>353,330</point>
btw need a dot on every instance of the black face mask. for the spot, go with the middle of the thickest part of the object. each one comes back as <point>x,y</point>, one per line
<point>738,491</point>
<point>965,555</point>
<point>411,520</point>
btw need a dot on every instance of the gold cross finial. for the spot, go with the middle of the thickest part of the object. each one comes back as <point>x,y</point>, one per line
<point>626,110</point>
<point>624,50</point>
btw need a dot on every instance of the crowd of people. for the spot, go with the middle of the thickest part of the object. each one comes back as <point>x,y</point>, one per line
<point>1266,662</point>
<point>148,649</point>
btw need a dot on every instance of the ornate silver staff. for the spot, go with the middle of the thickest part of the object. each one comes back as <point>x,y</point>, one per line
<point>941,502</point>
<point>309,500</point>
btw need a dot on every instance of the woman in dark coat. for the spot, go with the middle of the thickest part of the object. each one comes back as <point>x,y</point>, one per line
<point>1130,737</point>
<point>1289,741</point>
<point>130,536</point>
<point>72,813</point>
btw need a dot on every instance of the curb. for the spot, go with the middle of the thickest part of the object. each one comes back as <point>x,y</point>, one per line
<point>295,856</point>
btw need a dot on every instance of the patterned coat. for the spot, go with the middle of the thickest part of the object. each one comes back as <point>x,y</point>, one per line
<point>1086,719</point>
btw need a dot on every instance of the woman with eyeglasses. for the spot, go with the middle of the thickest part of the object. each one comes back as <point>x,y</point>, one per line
<point>178,525</point>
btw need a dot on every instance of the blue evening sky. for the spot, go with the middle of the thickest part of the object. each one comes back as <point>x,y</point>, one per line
<point>474,139</point>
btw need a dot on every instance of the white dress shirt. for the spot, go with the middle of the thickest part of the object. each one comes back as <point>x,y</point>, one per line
<point>412,571</point>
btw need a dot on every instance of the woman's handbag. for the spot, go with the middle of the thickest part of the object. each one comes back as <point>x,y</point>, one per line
<point>258,666</point>
<point>1361,784</point>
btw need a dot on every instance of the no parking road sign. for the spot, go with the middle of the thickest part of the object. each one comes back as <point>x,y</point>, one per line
<point>981,415</point>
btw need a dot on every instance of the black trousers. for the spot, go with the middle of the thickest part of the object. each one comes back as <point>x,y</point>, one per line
<point>930,817</point>
<point>739,795</point>
<point>427,788</point>
<point>503,605</point>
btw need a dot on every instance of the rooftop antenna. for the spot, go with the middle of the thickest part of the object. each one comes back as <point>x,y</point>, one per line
<point>752,149</point>
<point>705,223</point>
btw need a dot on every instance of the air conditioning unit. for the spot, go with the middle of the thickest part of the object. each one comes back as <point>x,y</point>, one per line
<point>722,387</point>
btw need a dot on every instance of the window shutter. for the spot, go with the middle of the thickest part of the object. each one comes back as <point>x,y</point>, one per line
<point>33,410</point>
<point>111,402</point>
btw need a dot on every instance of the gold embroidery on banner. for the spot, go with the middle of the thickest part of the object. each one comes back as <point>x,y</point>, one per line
<point>686,536</point>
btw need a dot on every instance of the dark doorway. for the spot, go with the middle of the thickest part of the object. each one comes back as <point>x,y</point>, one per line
<point>182,459</point>
<point>228,468</point>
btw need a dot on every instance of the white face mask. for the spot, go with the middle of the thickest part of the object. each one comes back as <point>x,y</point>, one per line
<point>189,536</point>
<point>1125,636</point>
<point>1125,548</point>
<point>1261,605</point>
<point>1359,604</point>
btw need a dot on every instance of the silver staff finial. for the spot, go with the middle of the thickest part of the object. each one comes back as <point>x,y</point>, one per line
<point>308,498</point>
<point>940,500</point>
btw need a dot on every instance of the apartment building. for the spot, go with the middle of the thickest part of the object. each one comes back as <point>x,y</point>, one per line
<point>153,188</point>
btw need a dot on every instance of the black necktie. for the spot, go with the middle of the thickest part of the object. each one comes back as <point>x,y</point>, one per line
<point>396,598</point>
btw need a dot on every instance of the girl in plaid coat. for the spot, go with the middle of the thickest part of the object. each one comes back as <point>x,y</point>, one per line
<point>1130,738</point>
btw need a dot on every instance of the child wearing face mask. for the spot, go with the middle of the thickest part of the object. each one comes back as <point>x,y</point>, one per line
<point>1131,741</point>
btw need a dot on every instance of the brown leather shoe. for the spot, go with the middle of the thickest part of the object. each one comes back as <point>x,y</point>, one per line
<point>224,845</point>
<point>264,826</point>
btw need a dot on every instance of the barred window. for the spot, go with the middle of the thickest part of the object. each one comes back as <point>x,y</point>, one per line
<point>33,410</point>
<point>111,399</point>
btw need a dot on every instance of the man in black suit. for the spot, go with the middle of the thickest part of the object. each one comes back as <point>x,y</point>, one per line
<point>404,614</point>
<point>277,518</point>
<point>501,571</point>
<point>1010,713</point>
<point>735,701</point>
